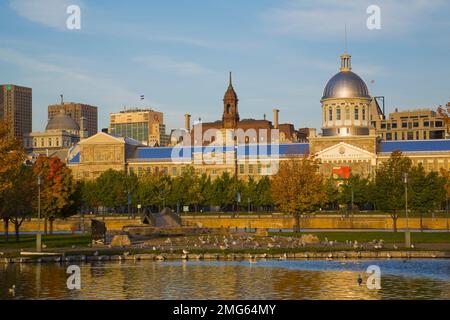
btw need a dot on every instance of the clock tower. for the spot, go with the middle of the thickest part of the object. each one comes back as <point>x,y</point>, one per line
<point>230,116</point>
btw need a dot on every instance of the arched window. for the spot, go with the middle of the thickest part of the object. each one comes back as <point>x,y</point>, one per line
<point>330,114</point>
<point>356,113</point>
<point>364,113</point>
<point>338,113</point>
<point>228,108</point>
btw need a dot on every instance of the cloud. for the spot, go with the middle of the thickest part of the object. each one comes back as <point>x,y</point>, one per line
<point>157,62</point>
<point>327,18</point>
<point>49,13</point>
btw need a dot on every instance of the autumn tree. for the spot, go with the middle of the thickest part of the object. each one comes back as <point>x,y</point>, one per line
<point>389,186</point>
<point>297,188</point>
<point>12,156</point>
<point>58,189</point>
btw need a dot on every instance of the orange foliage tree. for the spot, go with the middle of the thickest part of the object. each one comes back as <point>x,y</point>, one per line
<point>298,188</point>
<point>58,189</point>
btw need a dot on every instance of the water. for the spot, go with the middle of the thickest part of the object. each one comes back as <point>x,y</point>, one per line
<point>292,279</point>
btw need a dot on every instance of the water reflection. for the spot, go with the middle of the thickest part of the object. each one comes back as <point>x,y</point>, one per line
<point>414,279</point>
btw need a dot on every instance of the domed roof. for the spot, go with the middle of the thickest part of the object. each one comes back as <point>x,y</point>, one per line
<point>345,84</point>
<point>62,122</point>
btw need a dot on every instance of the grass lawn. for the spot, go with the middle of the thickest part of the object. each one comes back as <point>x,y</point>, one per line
<point>388,237</point>
<point>28,241</point>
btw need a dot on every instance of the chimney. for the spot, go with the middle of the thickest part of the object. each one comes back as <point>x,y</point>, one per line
<point>275,118</point>
<point>312,133</point>
<point>187,122</point>
<point>83,128</point>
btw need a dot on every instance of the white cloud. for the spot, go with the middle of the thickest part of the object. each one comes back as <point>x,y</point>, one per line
<point>327,18</point>
<point>50,13</point>
<point>157,62</point>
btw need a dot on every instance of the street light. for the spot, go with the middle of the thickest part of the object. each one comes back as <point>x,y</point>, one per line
<point>407,233</point>
<point>39,234</point>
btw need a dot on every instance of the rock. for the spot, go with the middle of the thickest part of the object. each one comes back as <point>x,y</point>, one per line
<point>262,233</point>
<point>309,239</point>
<point>121,241</point>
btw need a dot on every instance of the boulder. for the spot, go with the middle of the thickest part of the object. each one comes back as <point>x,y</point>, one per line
<point>309,239</point>
<point>121,241</point>
<point>262,233</point>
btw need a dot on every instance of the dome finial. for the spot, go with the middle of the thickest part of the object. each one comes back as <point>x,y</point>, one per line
<point>346,62</point>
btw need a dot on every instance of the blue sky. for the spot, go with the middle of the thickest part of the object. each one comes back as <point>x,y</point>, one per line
<point>178,54</point>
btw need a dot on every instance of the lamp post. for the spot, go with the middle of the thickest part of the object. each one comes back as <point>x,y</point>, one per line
<point>39,234</point>
<point>407,232</point>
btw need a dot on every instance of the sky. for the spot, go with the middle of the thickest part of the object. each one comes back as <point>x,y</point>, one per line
<point>178,53</point>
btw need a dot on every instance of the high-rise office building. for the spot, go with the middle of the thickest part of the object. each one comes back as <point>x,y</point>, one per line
<point>77,111</point>
<point>16,109</point>
<point>144,125</point>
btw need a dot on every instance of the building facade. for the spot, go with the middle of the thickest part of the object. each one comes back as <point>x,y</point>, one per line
<point>143,125</point>
<point>61,134</point>
<point>16,109</point>
<point>77,111</point>
<point>419,124</point>
<point>348,144</point>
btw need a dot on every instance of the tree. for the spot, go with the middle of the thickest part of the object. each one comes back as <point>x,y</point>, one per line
<point>332,192</point>
<point>297,188</point>
<point>58,189</point>
<point>263,194</point>
<point>446,176</point>
<point>426,191</point>
<point>356,188</point>
<point>114,187</point>
<point>389,186</point>
<point>90,195</point>
<point>12,157</point>
<point>20,197</point>
<point>224,191</point>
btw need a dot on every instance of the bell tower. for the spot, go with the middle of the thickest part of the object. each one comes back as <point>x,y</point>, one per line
<point>230,116</point>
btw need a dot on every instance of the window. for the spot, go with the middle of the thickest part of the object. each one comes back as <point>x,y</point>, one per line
<point>426,123</point>
<point>250,169</point>
<point>416,124</point>
<point>241,169</point>
<point>330,114</point>
<point>228,108</point>
<point>338,113</point>
<point>388,136</point>
<point>438,124</point>
<point>347,113</point>
<point>383,125</point>
<point>166,171</point>
<point>356,113</point>
<point>417,135</point>
<point>364,114</point>
<point>404,125</point>
<point>259,168</point>
<point>395,136</point>
<point>410,135</point>
<point>394,125</point>
<point>174,171</point>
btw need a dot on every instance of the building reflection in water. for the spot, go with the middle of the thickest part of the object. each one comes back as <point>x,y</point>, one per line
<point>220,280</point>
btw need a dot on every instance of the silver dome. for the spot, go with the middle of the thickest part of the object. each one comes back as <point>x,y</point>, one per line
<point>346,84</point>
<point>62,121</point>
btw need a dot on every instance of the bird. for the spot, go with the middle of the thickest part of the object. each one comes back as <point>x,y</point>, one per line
<point>412,246</point>
<point>395,247</point>
<point>185,252</point>
<point>360,280</point>
<point>44,246</point>
<point>283,257</point>
<point>12,290</point>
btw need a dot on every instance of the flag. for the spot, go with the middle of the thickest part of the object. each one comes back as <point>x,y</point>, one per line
<point>341,173</point>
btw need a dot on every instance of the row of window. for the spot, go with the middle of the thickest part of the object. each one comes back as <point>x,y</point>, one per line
<point>347,113</point>
<point>413,135</point>
<point>410,125</point>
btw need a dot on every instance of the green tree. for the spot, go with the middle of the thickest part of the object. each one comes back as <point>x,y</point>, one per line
<point>389,186</point>
<point>90,195</point>
<point>114,187</point>
<point>21,195</point>
<point>426,191</point>
<point>355,187</point>
<point>297,188</point>
<point>223,191</point>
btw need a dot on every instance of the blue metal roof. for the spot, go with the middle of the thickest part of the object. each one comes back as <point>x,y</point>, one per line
<point>252,150</point>
<point>415,146</point>
<point>75,160</point>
